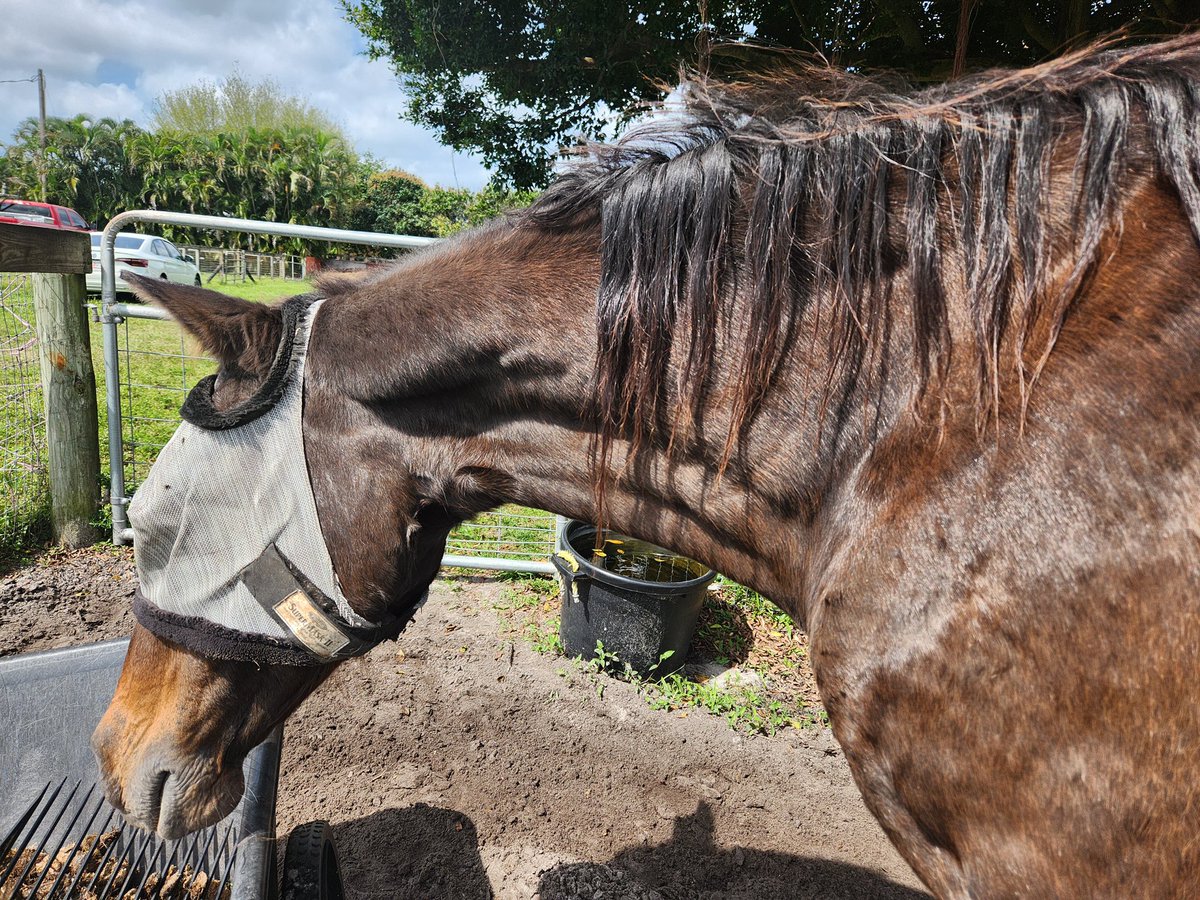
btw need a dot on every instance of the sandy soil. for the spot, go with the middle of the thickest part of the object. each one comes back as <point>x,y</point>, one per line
<point>457,763</point>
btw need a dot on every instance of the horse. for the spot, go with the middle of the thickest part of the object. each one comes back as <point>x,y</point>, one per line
<point>921,367</point>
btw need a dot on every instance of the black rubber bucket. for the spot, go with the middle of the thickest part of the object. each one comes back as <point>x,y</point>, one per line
<point>637,621</point>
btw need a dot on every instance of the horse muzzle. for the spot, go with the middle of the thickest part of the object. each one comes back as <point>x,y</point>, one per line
<point>162,790</point>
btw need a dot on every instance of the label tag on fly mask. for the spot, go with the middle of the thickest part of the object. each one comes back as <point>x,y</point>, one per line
<point>276,588</point>
<point>310,626</point>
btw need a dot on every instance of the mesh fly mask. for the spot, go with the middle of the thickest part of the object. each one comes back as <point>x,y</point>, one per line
<point>231,560</point>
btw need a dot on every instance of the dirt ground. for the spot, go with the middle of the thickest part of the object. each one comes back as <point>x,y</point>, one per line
<point>458,763</point>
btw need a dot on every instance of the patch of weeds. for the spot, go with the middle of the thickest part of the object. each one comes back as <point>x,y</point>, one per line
<point>543,585</point>
<point>511,599</point>
<point>743,708</point>
<point>738,627</point>
<point>543,636</point>
<point>756,605</point>
<point>528,605</point>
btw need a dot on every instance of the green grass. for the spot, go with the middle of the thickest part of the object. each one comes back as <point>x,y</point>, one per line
<point>510,532</point>
<point>262,289</point>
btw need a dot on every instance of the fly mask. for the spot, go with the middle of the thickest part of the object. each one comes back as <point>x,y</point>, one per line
<point>231,559</point>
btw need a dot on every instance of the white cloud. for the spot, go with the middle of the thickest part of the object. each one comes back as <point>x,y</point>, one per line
<point>307,47</point>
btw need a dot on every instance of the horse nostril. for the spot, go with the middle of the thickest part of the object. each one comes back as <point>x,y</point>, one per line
<point>156,793</point>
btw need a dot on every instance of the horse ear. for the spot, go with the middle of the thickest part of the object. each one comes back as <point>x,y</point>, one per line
<point>239,334</point>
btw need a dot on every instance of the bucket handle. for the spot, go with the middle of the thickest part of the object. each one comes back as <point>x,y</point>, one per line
<point>568,565</point>
<point>569,559</point>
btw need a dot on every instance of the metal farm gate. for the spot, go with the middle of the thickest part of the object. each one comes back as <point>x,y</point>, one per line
<point>148,374</point>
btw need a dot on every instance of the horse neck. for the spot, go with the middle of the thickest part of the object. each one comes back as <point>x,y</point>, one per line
<point>480,355</point>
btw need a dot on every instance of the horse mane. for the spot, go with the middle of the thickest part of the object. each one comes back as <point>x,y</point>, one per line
<point>816,183</point>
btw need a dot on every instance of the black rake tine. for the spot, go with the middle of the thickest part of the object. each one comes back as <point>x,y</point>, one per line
<point>202,861</point>
<point>122,859</point>
<point>162,871</point>
<point>179,860</point>
<point>91,852</point>
<point>50,857</point>
<point>192,843</point>
<point>43,807</point>
<point>108,851</point>
<point>147,869</point>
<point>221,885</point>
<point>10,839</point>
<point>225,876</point>
<point>85,831</point>
<point>37,851</point>
<point>189,845</point>
<point>130,869</point>
<point>180,867</point>
<point>194,857</point>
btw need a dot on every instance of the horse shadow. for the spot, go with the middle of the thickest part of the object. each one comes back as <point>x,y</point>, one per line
<point>432,853</point>
<point>690,866</point>
<point>419,851</point>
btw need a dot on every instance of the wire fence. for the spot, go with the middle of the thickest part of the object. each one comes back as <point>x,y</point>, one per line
<point>23,479</point>
<point>511,532</point>
<point>157,371</point>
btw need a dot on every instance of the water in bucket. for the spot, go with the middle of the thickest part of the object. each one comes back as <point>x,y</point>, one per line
<point>642,560</point>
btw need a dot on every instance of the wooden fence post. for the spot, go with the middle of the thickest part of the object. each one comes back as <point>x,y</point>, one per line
<point>69,388</point>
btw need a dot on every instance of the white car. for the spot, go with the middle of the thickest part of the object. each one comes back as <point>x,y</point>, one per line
<point>143,254</point>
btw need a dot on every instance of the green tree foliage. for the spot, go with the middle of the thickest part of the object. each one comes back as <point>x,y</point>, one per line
<point>87,166</point>
<point>450,210</point>
<point>237,104</point>
<point>295,166</point>
<point>391,202</point>
<point>292,166</point>
<point>297,174</point>
<point>513,79</point>
<point>399,203</point>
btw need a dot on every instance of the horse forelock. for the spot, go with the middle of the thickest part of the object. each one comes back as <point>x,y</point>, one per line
<point>814,186</point>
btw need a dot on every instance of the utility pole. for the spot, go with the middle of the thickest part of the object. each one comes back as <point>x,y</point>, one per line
<point>41,80</point>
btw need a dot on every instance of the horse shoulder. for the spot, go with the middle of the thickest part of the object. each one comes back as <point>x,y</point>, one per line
<point>1009,642</point>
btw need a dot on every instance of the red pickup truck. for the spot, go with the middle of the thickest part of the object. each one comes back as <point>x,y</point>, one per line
<point>43,215</point>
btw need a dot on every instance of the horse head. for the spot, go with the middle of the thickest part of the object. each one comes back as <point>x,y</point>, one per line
<point>172,742</point>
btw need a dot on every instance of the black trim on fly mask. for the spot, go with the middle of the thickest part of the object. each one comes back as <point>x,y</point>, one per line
<point>198,406</point>
<point>320,634</point>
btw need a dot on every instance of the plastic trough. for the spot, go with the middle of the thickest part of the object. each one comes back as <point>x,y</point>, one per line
<point>50,799</point>
<point>638,621</point>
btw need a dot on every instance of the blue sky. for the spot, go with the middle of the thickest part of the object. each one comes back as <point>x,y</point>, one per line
<point>114,57</point>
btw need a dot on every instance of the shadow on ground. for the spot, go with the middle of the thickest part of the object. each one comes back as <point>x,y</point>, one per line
<point>432,853</point>
<point>690,866</point>
<point>419,851</point>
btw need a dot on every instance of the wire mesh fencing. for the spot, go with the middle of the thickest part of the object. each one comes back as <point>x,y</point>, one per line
<point>23,480</point>
<point>514,533</point>
<point>158,368</point>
